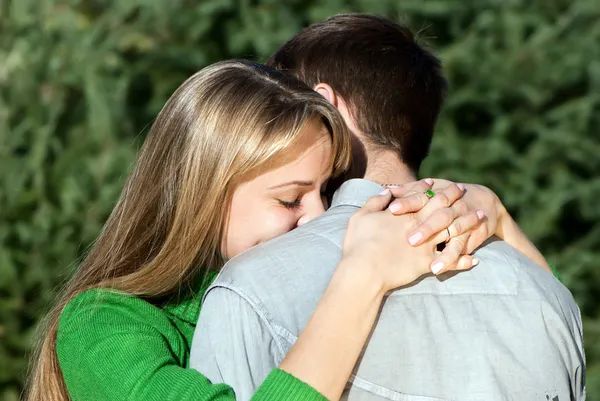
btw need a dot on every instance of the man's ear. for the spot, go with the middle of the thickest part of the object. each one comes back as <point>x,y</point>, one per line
<point>327,92</point>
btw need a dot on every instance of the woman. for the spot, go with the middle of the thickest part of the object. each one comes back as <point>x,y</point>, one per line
<point>123,327</point>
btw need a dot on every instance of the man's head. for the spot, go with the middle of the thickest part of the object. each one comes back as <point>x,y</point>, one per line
<point>393,88</point>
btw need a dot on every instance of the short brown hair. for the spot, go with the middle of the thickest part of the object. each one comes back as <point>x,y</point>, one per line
<point>393,86</point>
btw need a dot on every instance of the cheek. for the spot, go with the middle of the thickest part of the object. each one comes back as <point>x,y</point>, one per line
<point>277,222</point>
<point>252,227</point>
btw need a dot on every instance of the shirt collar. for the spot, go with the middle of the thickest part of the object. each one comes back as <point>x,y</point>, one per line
<point>355,192</point>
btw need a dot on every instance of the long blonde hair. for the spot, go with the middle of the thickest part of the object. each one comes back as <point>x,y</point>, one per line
<point>222,123</point>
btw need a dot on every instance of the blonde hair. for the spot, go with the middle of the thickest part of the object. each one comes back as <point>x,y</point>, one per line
<point>222,123</point>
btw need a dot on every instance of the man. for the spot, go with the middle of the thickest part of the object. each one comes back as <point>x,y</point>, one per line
<point>506,330</point>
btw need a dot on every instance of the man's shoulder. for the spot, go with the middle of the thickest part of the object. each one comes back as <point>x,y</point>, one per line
<point>295,266</point>
<point>531,279</point>
<point>280,254</point>
<point>513,324</point>
<point>502,271</point>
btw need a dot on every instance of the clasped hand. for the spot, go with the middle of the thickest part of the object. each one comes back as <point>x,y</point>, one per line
<point>403,233</point>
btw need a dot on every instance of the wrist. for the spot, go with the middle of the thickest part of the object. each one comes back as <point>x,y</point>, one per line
<point>510,232</point>
<point>505,220</point>
<point>357,275</point>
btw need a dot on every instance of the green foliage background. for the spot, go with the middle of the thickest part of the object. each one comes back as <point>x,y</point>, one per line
<point>81,80</point>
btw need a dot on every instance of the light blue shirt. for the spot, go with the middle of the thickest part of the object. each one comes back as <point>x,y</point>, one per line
<point>505,330</point>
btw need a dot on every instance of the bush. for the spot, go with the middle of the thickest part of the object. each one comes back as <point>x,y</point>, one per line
<point>80,81</point>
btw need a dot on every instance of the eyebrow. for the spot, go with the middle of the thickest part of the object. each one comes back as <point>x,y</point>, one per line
<point>296,182</point>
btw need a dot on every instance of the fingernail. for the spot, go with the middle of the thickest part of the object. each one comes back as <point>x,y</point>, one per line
<point>475,262</point>
<point>436,268</point>
<point>415,238</point>
<point>429,181</point>
<point>461,186</point>
<point>392,186</point>
<point>384,192</point>
<point>395,207</point>
<point>480,214</point>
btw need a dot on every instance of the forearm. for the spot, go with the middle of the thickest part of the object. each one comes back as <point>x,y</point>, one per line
<point>330,345</point>
<point>233,344</point>
<point>509,231</point>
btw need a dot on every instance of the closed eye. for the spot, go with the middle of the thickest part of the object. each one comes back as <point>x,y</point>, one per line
<point>290,205</point>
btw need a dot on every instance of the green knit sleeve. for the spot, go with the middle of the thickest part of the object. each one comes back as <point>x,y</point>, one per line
<point>280,385</point>
<point>555,272</point>
<point>113,347</point>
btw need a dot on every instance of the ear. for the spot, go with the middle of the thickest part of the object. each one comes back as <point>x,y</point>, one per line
<point>327,92</point>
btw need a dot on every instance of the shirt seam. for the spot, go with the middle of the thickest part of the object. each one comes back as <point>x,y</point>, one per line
<point>260,312</point>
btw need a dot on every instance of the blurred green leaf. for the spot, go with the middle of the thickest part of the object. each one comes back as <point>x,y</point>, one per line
<point>81,80</point>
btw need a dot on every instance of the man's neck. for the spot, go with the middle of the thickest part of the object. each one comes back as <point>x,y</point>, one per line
<point>385,167</point>
<point>374,164</point>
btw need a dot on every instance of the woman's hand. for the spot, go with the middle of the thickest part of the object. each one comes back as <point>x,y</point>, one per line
<point>475,198</point>
<point>496,221</point>
<point>378,240</point>
<point>479,197</point>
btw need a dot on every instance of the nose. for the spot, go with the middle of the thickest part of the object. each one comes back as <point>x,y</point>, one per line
<point>312,208</point>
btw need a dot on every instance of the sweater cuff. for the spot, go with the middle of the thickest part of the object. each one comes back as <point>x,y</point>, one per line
<point>280,385</point>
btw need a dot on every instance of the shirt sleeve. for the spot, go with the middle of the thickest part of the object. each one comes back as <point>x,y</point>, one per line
<point>233,344</point>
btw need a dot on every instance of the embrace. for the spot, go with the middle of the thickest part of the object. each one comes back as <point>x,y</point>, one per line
<point>273,242</point>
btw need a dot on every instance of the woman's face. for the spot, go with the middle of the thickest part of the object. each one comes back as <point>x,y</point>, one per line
<point>283,198</point>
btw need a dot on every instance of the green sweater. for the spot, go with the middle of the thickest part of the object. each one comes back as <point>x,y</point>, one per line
<point>113,346</point>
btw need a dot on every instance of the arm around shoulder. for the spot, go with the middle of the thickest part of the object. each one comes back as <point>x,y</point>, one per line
<point>112,347</point>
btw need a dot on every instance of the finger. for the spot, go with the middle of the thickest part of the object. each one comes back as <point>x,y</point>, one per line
<point>377,203</point>
<point>415,186</point>
<point>450,255</point>
<point>443,198</point>
<point>465,223</point>
<point>414,191</point>
<point>434,225</point>
<point>477,237</point>
<point>442,226</point>
<point>410,203</point>
<point>461,207</point>
<point>464,220</point>
<point>464,262</point>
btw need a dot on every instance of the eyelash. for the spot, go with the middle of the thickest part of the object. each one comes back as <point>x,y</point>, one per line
<point>295,204</point>
<point>290,205</point>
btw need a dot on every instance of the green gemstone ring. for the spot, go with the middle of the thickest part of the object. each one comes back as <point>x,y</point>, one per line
<point>429,193</point>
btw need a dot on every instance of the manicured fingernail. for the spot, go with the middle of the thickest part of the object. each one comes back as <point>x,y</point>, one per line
<point>436,268</point>
<point>395,207</point>
<point>429,181</point>
<point>480,214</point>
<point>475,262</point>
<point>461,186</point>
<point>415,238</point>
<point>384,192</point>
